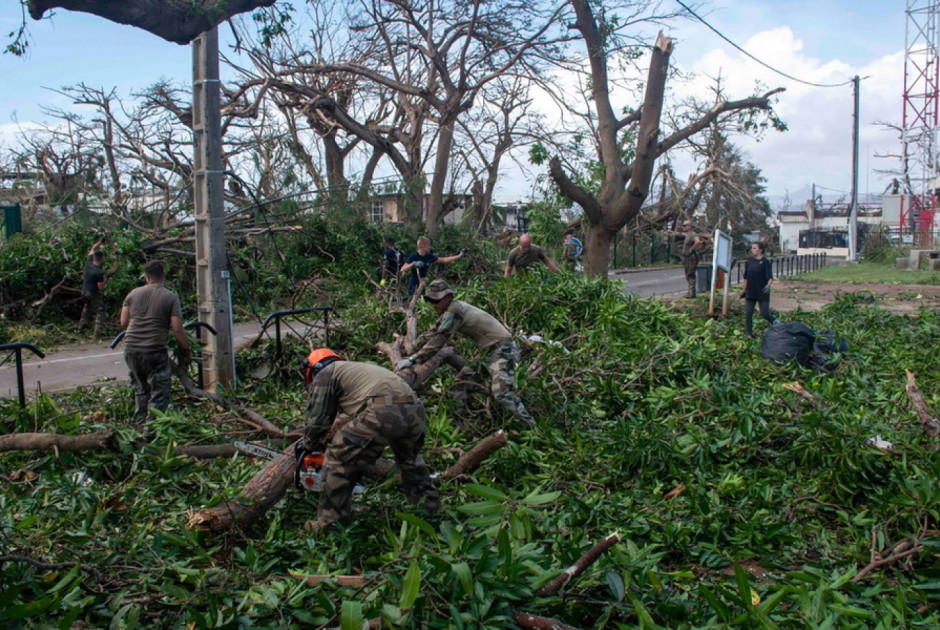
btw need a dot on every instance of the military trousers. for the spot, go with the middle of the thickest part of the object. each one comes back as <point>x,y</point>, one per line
<point>360,443</point>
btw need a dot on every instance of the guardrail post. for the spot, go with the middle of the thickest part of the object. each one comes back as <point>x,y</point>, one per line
<point>17,349</point>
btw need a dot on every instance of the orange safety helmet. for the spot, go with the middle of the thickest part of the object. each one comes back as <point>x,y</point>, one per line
<point>317,360</point>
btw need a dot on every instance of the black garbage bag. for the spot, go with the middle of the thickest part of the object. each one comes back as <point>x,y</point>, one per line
<point>788,341</point>
<point>827,350</point>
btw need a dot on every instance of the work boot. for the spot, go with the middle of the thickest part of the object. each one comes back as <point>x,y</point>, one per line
<point>689,296</point>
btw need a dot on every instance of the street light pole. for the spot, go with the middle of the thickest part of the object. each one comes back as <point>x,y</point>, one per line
<point>211,274</point>
<point>853,210</point>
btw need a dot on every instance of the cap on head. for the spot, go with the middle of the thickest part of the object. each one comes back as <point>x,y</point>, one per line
<point>437,290</point>
<point>317,360</point>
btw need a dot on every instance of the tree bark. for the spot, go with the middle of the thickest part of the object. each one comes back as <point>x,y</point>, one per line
<point>927,418</point>
<point>52,441</point>
<point>178,21</point>
<point>585,561</point>
<point>264,490</point>
<point>470,460</point>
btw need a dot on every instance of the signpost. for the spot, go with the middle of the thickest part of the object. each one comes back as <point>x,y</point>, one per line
<point>721,260</point>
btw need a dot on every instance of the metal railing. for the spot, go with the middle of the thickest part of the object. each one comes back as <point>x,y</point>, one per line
<point>279,315</point>
<point>784,266</point>
<point>17,351</point>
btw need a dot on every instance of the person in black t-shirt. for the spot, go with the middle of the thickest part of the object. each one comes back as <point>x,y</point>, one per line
<point>92,286</point>
<point>392,260</point>
<point>758,277</point>
<point>419,263</point>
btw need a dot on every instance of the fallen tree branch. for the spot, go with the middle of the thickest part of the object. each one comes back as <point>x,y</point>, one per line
<point>207,451</point>
<point>797,388</point>
<point>927,418</point>
<point>264,490</point>
<point>578,567</point>
<point>262,424</point>
<point>470,460</point>
<point>898,551</point>
<point>53,441</point>
<point>340,580</point>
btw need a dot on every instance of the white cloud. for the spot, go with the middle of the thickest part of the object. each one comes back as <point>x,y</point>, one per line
<point>818,146</point>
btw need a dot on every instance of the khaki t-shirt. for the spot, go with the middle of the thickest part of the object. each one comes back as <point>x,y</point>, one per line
<point>150,308</point>
<point>359,382</point>
<point>519,259</point>
<point>485,330</point>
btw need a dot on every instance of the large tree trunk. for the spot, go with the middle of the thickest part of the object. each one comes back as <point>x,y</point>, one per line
<point>441,162</point>
<point>50,441</point>
<point>597,250</point>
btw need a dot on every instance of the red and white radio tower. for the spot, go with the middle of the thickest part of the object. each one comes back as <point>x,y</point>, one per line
<point>920,117</point>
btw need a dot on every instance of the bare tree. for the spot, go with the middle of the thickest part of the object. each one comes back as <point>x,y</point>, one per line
<point>626,174</point>
<point>436,56</point>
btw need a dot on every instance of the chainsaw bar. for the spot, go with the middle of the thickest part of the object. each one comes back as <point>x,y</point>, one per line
<point>256,450</point>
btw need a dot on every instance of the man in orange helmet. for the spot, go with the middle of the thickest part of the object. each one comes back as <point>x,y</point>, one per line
<point>385,412</point>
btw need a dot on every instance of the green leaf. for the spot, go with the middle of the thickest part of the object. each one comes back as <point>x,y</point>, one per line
<point>418,522</point>
<point>486,492</point>
<point>30,609</point>
<point>482,507</point>
<point>534,499</point>
<point>615,583</point>
<point>351,617</point>
<point>410,586</point>
<point>464,576</point>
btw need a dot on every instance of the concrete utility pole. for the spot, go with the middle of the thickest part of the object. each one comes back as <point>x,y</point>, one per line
<point>853,209</point>
<point>218,365</point>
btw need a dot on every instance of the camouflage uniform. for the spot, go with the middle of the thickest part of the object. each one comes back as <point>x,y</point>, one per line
<point>151,309</point>
<point>386,412</point>
<point>500,354</point>
<point>690,261</point>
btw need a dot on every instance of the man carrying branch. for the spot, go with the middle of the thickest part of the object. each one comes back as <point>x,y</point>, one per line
<point>500,353</point>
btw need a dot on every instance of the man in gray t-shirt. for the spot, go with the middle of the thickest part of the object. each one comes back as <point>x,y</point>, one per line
<point>148,314</point>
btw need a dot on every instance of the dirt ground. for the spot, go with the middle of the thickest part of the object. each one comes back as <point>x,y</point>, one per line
<point>903,299</point>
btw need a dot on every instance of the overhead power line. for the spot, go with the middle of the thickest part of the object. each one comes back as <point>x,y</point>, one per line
<point>746,53</point>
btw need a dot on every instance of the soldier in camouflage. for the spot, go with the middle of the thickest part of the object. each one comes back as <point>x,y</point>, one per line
<point>385,412</point>
<point>500,354</point>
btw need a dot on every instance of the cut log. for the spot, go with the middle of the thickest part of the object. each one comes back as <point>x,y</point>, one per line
<point>578,567</point>
<point>927,418</point>
<point>470,460</point>
<point>340,580</point>
<point>207,451</point>
<point>52,441</point>
<point>264,490</point>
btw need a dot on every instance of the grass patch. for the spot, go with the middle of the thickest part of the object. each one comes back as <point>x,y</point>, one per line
<point>870,272</point>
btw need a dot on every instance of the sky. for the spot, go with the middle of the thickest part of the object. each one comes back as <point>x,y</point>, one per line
<point>817,41</point>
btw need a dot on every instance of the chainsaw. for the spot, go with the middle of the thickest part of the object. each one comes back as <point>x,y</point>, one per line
<point>309,470</point>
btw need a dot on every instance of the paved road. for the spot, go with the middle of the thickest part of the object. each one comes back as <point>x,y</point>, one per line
<point>87,364</point>
<point>96,363</point>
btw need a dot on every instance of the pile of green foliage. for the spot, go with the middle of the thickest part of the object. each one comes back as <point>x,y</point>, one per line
<point>320,262</point>
<point>740,502</point>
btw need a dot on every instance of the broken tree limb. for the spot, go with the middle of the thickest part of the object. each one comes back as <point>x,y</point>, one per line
<point>927,418</point>
<point>53,441</point>
<point>536,622</point>
<point>207,451</point>
<point>578,567</point>
<point>470,460</point>
<point>340,580</point>
<point>264,490</point>
<point>797,388</point>
<point>255,418</point>
<point>418,375</point>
